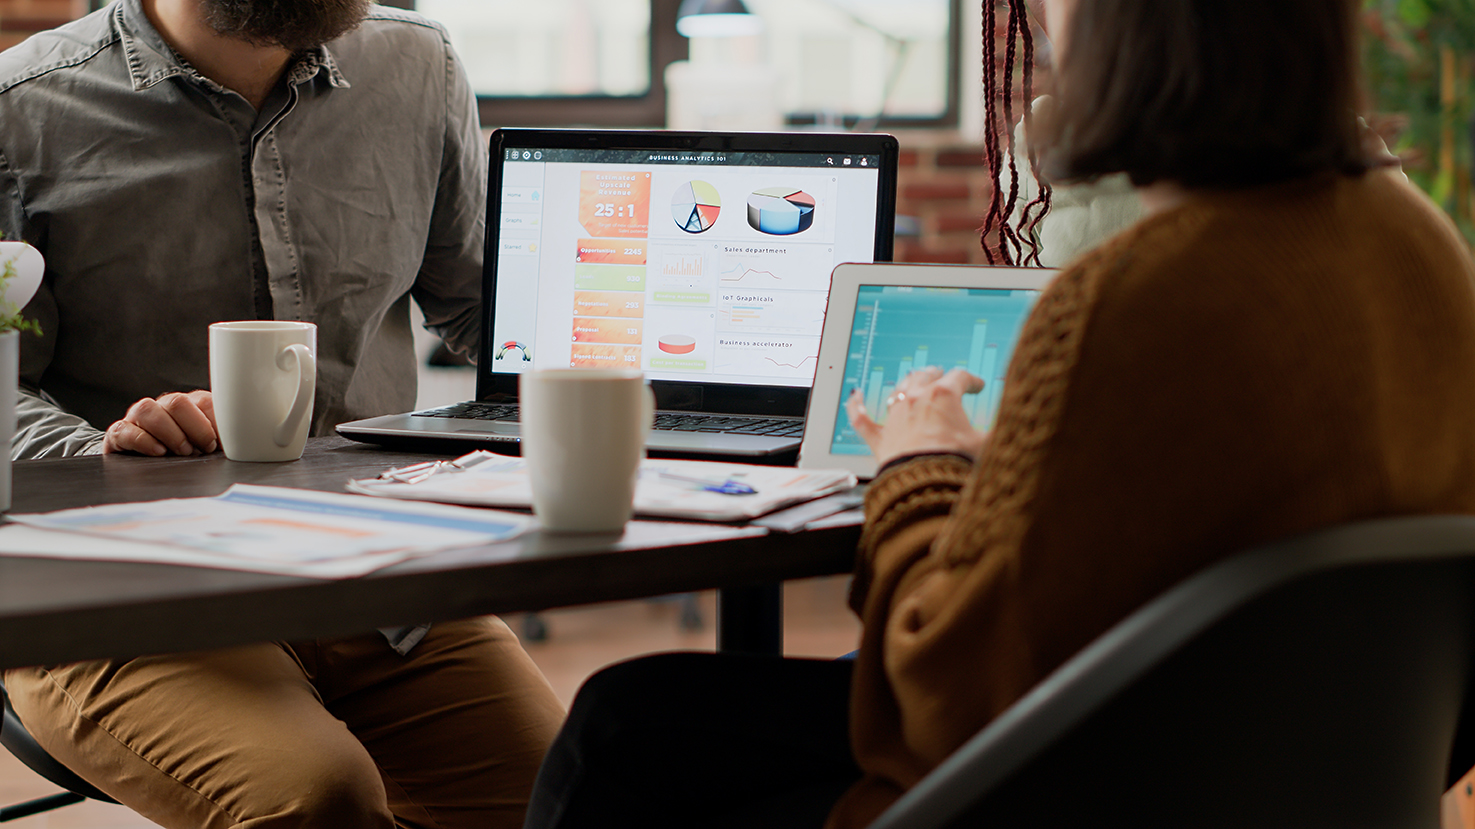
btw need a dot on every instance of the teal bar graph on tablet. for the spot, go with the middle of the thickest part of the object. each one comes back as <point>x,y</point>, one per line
<point>899,329</point>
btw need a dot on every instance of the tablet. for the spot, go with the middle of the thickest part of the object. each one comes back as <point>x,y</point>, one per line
<point>885,320</point>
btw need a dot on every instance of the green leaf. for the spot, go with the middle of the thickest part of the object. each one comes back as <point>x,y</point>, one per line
<point>1415,13</point>
<point>1443,188</point>
<point>10,318</point>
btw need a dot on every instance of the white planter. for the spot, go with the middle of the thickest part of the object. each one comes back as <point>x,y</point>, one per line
<point>9,381</point>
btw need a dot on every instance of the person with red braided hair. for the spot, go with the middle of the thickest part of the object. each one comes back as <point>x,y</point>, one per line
<point>1003,243</point>
<point>1284,342</point>
<point>1051,224</point>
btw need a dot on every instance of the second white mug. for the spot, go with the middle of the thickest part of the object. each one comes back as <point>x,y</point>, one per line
<point>583,436</point>
<point>262,379</point>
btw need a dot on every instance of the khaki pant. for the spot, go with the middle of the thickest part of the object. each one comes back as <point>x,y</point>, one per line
<point>340,733</point>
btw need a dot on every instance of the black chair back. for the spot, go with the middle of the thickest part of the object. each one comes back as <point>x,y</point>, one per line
<point>18,741</point>
<point>1317,682</point>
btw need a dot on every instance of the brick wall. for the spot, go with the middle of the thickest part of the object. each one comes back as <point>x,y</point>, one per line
<point>946,191</point>
<point>19,19</point>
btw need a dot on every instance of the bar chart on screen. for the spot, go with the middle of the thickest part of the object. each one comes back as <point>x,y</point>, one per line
<point>898,330</point>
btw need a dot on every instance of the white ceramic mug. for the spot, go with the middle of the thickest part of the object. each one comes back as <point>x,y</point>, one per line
<point>262,377</point>
<point>583,435</point>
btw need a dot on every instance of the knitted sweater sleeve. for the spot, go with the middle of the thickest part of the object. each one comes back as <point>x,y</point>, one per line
<point>902,497</point>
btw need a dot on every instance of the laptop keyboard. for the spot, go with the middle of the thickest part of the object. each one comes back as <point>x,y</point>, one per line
<point>731,425</point>
<point>474,411</point>
<point>771,427</point>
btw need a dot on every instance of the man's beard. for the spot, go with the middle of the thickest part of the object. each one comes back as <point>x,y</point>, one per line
<point>295,25</point>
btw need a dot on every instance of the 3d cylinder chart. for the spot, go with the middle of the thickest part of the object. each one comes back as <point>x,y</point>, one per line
<point>695,206</point>
<point>677,344</point>
<point>780,211</point>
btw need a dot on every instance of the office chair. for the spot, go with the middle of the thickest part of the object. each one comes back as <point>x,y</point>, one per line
<point>1325,681</point>
<point>19,742</point>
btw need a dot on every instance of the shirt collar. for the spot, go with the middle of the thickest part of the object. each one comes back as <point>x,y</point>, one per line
<point>151,59</point>
<point>310,63</point>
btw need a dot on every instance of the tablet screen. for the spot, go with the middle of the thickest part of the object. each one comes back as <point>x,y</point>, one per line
<point>899,329</point>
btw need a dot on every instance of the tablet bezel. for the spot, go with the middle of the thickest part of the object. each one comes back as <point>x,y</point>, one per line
<point>845,282</point>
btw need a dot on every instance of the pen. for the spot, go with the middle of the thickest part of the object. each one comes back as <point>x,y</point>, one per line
<point>727,487</point>
<point>412,474</point>
<point>415,473</point>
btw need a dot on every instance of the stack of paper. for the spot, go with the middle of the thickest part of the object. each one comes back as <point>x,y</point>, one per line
<point>667,488</point>
<point>266,529</point>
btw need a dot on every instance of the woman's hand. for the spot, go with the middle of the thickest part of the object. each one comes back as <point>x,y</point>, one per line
<point>924,414</point>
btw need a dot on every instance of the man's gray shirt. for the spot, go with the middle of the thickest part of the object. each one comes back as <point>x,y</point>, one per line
<point>164,202</point>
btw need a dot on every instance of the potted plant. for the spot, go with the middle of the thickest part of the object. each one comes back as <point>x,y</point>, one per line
<point>1420,60</point>
<point>20,276</point>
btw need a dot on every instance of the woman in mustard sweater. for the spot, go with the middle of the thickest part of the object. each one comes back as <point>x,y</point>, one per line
<point>1285,341</point>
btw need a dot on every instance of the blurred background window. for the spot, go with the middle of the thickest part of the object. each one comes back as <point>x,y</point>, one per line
<point>862,59</point>
<point>867,63</point>
<point>864,64</point>
<point>562,48</point>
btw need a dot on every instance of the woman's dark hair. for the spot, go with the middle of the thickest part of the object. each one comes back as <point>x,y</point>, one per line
<point>1207,93</point>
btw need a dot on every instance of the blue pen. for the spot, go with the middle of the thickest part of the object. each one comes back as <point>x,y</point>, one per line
<point>727,487</point>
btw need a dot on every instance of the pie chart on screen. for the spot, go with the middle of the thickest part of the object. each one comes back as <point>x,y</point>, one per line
<point>780,211</point>
<point>695,206</point>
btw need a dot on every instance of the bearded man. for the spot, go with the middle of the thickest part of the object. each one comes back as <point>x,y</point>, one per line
<point>181,162</point>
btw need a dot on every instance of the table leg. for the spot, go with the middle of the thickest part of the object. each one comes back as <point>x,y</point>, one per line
<point>751,619</point>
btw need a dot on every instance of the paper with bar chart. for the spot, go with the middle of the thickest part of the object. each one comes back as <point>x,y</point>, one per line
<point>898,330</point>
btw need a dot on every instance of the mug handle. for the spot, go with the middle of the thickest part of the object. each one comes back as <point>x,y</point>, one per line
<point>306,377</point>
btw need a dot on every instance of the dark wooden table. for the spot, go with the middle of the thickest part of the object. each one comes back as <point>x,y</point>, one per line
<point>56,610</point>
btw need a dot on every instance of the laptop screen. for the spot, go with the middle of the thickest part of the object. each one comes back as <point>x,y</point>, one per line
<point>703,260</point>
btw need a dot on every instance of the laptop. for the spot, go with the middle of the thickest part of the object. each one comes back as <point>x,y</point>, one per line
<point>888,320</point>
<point>703,259</point>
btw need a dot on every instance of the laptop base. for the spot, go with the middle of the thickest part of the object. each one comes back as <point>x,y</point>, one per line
<point>503,437</point>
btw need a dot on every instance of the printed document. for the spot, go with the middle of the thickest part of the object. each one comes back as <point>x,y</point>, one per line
<point>666,488</point>
<point>268,529</point>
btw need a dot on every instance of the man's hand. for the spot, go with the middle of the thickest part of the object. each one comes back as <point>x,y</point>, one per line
<point>924,414</point>
<point>177,423</point>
